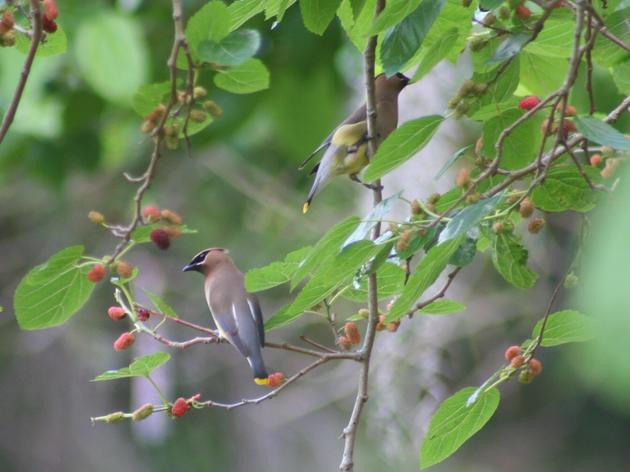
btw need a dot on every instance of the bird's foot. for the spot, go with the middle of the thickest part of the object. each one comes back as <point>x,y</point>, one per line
<point>355,178</point>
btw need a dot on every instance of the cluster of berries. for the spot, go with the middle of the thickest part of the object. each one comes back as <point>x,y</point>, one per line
<point>530,369</point>
<point>162,236</point>
<point>172,130</point>
<point>7,33</point>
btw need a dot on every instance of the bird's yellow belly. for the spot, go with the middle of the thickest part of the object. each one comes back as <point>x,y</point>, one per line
<point>354,162</point>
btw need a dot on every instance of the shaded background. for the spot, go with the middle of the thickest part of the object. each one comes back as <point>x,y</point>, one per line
<point>74,136</point>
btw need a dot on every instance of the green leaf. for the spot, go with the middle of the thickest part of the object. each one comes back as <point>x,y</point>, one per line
<point>277,8</point>
<point>469,217</point>
<point>492,110</point>
<point>509,48</point>
<point>142,234</point>
<point>390,281</point>
<point>401,145</point>
<point>456,420</point>
<point>499,94</point>
<point>233,50</point>
<point>112,55</point>
<point>210,22</point>
<point>56,43</point>
<point>566,326</point>
<point>556,38</point>
<point>427,271</point>
<point>436,53</point>
<point>565,189</point>
<point>394,12</point>
<point>141,367</point>
<point>452,160</point>
<point>276,273</point>
<point>601,133</point>
<point>621,76</point>
<point>542,75</point>
<point>443,307</point>
<point>376,215</point>
<point>357,7</point>
<point>606,52</point>
<point>403,41</point>
<point>357,27</point>
<point>466,251</point>
<point>510,258</point>
<point>329,245</point>
<point>160,304</point>
<point>317,14</point>
<point>338,271</point>
<point>251,76</point>
<point>520,147</point>
<point>149,96</point>
<point>453,15</point>
<point>243,10</point>
<point>52,292</point>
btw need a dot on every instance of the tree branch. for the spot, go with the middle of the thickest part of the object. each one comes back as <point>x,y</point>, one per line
<point>350,431</point>
<point>36,37</point>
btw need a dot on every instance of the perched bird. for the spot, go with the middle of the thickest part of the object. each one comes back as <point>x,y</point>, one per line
<point>346,145</point>
<point>236,313</point>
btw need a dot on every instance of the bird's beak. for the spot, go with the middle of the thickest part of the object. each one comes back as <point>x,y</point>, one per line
<point>189,267</point>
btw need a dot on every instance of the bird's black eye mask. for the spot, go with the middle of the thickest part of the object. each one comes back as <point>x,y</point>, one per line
<point>199,258</point>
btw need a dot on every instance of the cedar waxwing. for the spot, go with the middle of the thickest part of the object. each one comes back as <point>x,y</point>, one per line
<point>346,144</point>
<point>236,313</point>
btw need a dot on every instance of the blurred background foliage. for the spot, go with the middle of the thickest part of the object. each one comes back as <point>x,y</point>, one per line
<point>75,134</point>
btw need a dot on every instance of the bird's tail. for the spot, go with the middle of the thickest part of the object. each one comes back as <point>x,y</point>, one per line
<point>258,368</point>
<point>309,198</point>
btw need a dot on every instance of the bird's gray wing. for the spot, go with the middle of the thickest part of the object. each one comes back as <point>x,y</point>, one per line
<point>357,115</point>
<point>254,306</point>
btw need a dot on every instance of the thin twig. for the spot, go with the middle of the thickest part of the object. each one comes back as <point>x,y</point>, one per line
<point>36,37</point>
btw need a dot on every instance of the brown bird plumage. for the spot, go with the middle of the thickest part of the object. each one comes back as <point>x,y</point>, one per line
<point>386,92</point>
<point>236,312</point>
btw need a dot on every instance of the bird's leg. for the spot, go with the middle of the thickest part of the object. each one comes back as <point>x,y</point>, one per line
<point>355,147</point>
<point>355,178</point>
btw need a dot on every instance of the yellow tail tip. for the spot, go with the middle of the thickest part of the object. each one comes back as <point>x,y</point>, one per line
<point>260,381</point>
<point>305,207</point>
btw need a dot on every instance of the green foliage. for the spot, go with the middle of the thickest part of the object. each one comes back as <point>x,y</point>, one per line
<point>455,421</point>
<point>509,257</point>
<point>326,248</point>
<point>248,77</point>
<point>401,145</point>
<point>403,41</point>
<point>519,147</point>
<point>232,50</point>
<point>605,52</point>
<point>149,96</point>
<point>317,14</point>
<point>209,23</point>
<point>276,273</point>
<point>565,189</point>
<point>602,133</point>
<point>428,270</point>
<point>336,272</point>
<point>112,56</point>
<point>443,307</point>
<point>52,292</point>
<point>390,280</point>
<point>140,367</point>
<point>469,217</point>
<point>567,326</point>
<point>56,43</point>
<point>160,305</point>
